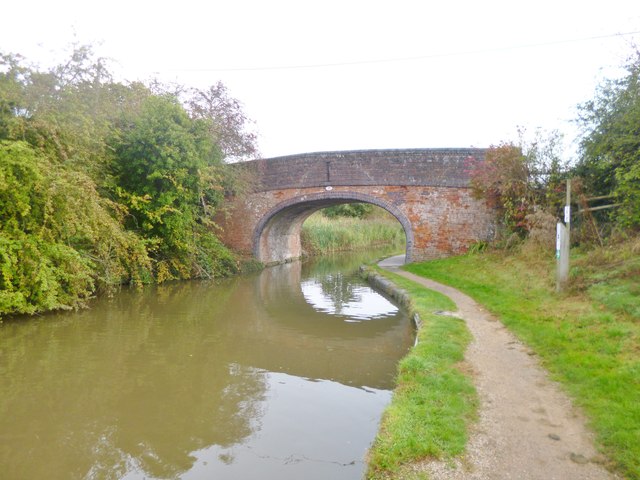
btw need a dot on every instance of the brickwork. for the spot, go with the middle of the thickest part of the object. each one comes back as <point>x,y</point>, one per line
<point>426,190</point>
<point>443,167</point>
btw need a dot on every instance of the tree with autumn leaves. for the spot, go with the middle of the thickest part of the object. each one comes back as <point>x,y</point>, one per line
<point>520,180</point>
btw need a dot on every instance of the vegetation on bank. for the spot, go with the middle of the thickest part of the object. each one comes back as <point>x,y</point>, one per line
<point>588,338</point>
<point>525,181</point>
<point>433,401</point>
<point>322,234</point>
<point>105,182</point>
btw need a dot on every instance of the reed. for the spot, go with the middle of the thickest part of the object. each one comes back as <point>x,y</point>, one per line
<point>322,235</point>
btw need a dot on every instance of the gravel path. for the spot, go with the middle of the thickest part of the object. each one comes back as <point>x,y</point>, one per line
<point>527,427</point>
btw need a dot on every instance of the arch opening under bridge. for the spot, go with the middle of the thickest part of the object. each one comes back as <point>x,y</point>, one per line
<point>277,234</point>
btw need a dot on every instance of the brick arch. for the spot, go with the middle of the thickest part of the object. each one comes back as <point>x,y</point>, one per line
<point>277,233</point>
<point>427,190</point>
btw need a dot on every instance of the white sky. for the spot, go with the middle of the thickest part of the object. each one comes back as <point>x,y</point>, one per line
<point>482,67</point>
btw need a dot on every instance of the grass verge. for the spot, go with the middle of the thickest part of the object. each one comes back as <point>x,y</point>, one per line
<point>589,338</point>
<point>321,235</point>
<point>433,401</point>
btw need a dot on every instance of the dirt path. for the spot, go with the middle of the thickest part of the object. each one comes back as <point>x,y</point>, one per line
<point>527,427</point>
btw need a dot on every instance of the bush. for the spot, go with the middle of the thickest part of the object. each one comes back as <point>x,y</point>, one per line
<point>59,242</point>
<point>520,180</point>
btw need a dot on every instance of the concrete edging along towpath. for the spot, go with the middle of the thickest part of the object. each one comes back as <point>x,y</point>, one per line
<point>528,428</point>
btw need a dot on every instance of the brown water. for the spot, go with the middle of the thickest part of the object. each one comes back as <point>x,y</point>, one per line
<point>279,375</point>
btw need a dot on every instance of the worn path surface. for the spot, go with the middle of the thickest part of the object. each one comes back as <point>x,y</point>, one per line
<point>527,427</point>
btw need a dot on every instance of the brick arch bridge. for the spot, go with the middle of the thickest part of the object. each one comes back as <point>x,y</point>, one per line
<point>427,190</point>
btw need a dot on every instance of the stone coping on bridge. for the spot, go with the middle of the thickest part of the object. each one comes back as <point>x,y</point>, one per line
<point>437,167</point>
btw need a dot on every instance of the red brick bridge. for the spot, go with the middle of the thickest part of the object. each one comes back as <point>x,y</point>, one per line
<point>427,190</point>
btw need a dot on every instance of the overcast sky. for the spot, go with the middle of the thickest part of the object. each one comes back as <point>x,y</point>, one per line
<point>351,74</point>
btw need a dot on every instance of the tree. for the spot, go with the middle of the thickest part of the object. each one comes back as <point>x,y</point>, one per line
<point>610,160</point>
<point>167,173</point>
<point>68,111</point>
<point>228,124</point>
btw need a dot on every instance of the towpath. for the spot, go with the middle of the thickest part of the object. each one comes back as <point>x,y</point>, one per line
<point>528,428</point>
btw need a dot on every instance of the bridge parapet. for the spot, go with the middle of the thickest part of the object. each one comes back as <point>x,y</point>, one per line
<point>435,167</point>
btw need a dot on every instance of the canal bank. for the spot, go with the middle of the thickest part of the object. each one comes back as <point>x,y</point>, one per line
<point>526,427</point>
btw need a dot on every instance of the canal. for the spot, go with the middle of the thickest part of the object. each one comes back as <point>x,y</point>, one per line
<point>281,374</point>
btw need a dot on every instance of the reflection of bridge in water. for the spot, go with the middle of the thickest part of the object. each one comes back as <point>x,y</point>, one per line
<point>296,338</point>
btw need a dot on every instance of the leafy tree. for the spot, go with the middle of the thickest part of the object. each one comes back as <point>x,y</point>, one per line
<point>610,162</point>
<point>167,171</point>
<point>41,102</point>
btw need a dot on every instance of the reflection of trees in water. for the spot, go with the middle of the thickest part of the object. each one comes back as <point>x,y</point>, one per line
<point>329,264</point>
<point>337,276</point>
<point>339,291</point>
<point>123,386</point>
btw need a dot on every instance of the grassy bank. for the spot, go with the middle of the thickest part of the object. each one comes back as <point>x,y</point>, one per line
<point>321,235</point>
<point>433,401</point>
<point>588,338</point>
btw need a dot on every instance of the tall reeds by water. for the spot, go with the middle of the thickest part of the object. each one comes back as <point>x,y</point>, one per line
<point>322,235</point>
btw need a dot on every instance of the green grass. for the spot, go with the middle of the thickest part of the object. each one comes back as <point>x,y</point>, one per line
<point>589,338</point>
<point>611,276</point>
<point>433,401</point>
<point>618,296</point>
<point>321,235</point>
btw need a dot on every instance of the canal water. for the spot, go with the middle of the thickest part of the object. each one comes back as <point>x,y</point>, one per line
<point>278,375</point>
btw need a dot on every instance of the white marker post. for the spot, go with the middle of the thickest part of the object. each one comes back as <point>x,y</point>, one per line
<point>562,256</point>
<point>563,238</point>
